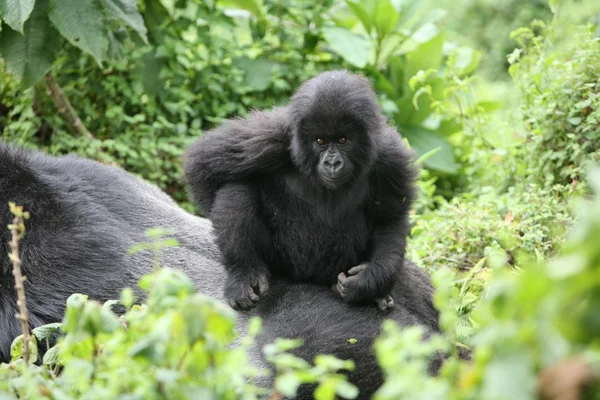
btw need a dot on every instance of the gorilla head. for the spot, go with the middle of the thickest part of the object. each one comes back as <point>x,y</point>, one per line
<point>334,120</point>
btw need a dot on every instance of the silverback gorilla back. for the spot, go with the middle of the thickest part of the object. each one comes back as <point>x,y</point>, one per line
<point>85,216</point>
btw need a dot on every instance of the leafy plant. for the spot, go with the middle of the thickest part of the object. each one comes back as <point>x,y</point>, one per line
<point>560,88</point>
<point>39,27</point>
<point>400,46</point>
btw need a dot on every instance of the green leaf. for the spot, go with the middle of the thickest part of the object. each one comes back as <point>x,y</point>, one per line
<point>355,49</point>
<point>467,60</point>
<point>51,356</point>
<point>426,56</point>
<point>16,12</point>
<point>255,7</point>
<point>362,14</point>
<point>31,55</point>
<point>17,348</point>
<point>516,368</point>
<point>259,72</point>
<point>346,390</point>
<point>386,18</point>
<point>288,384</point>
<point>126,11</point>
<point>46,331</point>
<point>423,141</point>
<point>81,22</point>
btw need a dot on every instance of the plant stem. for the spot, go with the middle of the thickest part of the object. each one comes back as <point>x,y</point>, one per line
<point>22,316</point>
<point>65,108</point>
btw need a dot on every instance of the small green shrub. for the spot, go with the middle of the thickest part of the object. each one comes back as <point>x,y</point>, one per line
<point>561,108</point>
<point>487,24</point>
<point>177,345</point>
<point>462,231</point>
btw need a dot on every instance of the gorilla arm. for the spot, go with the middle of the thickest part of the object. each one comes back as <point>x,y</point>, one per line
<point>237,150</point>
<point>393,176</point>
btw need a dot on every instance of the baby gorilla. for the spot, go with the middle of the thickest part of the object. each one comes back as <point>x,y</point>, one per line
<point>318,191</point>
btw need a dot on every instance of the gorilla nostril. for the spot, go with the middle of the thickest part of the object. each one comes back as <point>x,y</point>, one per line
<point>333,164</point>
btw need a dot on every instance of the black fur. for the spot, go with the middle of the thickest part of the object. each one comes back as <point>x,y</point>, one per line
<point>86,215</point>
<point>315,191</point>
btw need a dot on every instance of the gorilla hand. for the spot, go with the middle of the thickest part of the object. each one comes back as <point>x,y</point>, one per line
<point>358,286</point>
<point>243,292</point>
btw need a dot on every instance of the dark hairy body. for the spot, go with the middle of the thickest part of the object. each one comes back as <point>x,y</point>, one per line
<point>318,191</point>
<point>86,215</point>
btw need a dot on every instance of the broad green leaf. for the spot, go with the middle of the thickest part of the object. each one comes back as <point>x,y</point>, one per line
<point>81,22</point>
<point>127,12</point>
<point>155,15</point>
<point>423,141</point>
<point>397,74</point>
<point>353,48</point>
<point>325,391</point>
<point>259,72</point>
<point>516,368</point>
<point>31,55</point>
<point>466,60</point>
<point>17,348</point>
<point>383,84</point>
<point>288,384</point>
<point>362,14</point>
<point>428,55</point>
<point>255,7</point>
<point>386,18</point>
<point>16,12</point>
<point>346,390</point>
<point>51,357</point>
<point>169,5</point>
<point>46,331</point>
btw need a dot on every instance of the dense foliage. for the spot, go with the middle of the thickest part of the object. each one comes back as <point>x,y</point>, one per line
<point>508,221</point>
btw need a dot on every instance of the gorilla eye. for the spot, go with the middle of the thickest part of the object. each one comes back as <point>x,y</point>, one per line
<point>342,140</point>
<point>320,141</point>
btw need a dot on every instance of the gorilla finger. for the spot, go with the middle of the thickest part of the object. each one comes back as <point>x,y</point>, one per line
<point>341,290</point>
<point>341,277</point>
<point>233,304</point>
<point>263,285</point>
<point>349,281</point>
<point>381,304</point>
<point>245,304</point>
<point>252,297</point>
<point>390,301</point>
<point>357,270</point>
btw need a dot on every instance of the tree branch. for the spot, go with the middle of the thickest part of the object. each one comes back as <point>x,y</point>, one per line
<point>65,108</point>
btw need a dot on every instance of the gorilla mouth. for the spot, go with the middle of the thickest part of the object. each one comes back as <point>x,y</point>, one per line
<point>334,181</point>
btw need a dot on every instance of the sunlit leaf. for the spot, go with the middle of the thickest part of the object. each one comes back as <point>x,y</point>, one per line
<point>30,56</point>
<point>16,12</point>
<point>81,22</point>
<point>353,48</point>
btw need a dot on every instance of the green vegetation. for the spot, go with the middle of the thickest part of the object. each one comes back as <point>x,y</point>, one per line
<point>508,222</point>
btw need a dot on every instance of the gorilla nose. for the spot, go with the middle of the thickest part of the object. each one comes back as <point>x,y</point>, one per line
<point>334,165</point>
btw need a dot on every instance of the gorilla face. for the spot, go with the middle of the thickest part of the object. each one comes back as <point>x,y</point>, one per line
<point>332,151</point>
<point>334,121</point>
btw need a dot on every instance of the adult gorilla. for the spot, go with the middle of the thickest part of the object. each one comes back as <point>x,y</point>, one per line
<point>84,217</point>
